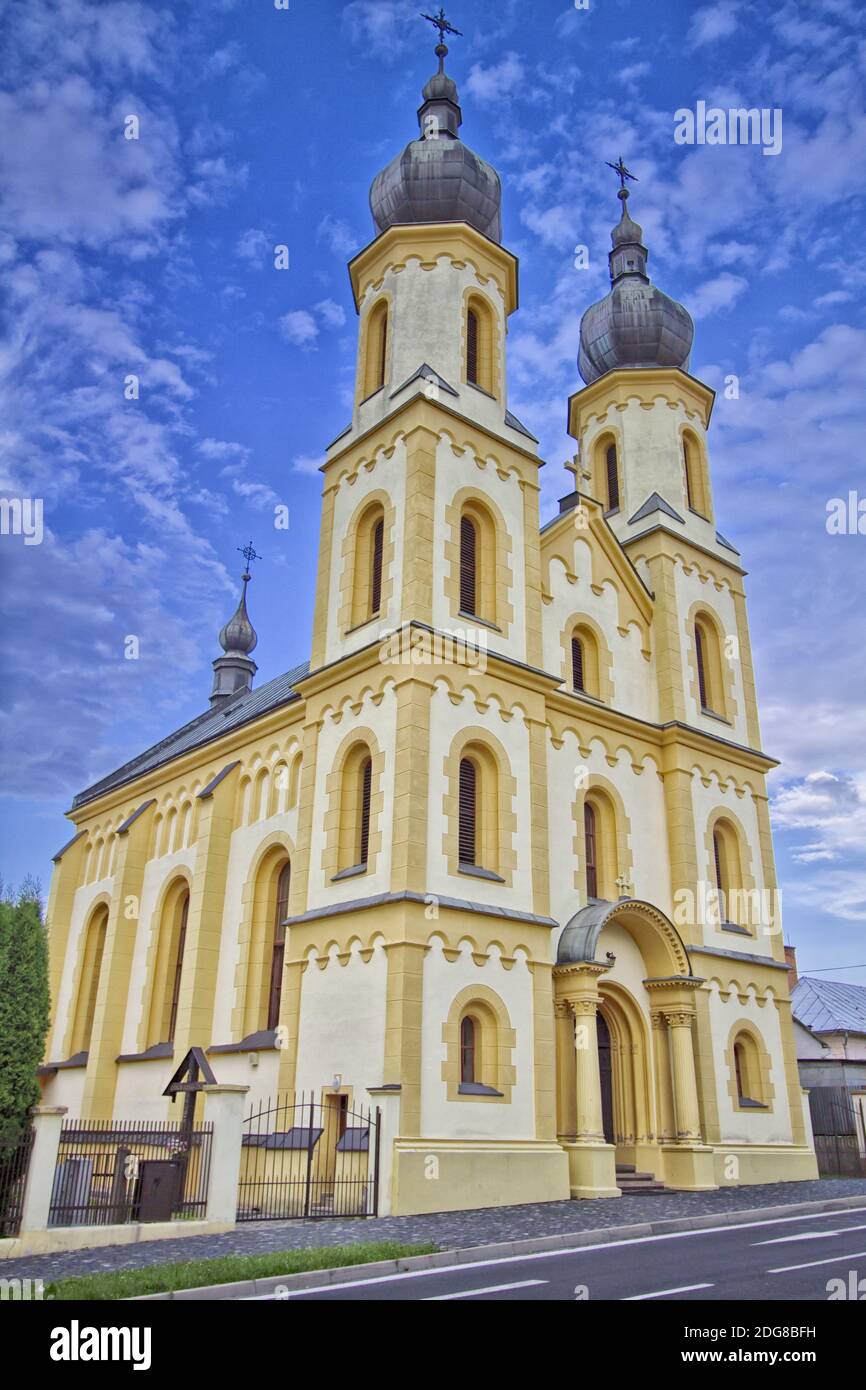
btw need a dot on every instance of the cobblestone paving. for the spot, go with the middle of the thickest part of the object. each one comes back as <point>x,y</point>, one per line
<point>448,1230</point>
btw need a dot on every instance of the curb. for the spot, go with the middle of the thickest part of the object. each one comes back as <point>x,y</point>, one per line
<point>322,1278</point>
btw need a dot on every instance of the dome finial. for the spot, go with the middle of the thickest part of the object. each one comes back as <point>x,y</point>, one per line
<point>442,24</point>
<point>234,670</point>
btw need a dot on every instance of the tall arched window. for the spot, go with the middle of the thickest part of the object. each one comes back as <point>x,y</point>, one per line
<point>612,472</point>
<point>751,1073</point>
<point>178,970</point>
<point>279,947</point>
<point>376,566</point>
<point>694,475</point>
<point>376,354</point>
<point>734,903</point>
<point>703,684</point>
<point>168,966</point>
<point>88,985</point>
<point>468,813</point>
<point>467,1050</point>
<point>365,787</point>
<point>590,838</point>
<point>688,469</point>
<point>472,347</point>
<point>468,565</point>
<point>577,664</point>
<point>708,661</point>
<point>368,572</point>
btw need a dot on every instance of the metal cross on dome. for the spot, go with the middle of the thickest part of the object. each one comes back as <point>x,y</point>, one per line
<point>249,554</point>
<point>624,173</point>
<point>442,24</point>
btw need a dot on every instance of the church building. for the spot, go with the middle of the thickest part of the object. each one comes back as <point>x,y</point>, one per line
<point>497,858</point>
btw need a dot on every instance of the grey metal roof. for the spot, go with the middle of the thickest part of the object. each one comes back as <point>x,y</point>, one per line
<point>654,503</point>
<point>515,424</point>
<point>203,729</point>
<point>829,1006</point>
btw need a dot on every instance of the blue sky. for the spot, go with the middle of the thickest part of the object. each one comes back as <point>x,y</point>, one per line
<point>261,126</point>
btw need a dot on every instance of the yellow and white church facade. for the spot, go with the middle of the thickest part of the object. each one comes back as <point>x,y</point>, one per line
<point>498,858</point>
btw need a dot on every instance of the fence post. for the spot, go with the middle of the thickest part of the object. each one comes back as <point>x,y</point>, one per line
<point>387,1098</point>
<point>47,1121</point>
<point>224,1109</point>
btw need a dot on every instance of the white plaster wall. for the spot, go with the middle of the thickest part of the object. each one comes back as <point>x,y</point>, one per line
<point>158,874</point>
<point>630,969</point>
<point>634,683</point>
<point>446,722</point>
<point>342,1025</point>
<point>389,475</point>
<point>468,1119</point>
<point>66,1088</point>
<point>456,470</point>
<point>753,1126</point>
<point>381,718</point>
<point>643,798</point>
<point>742,809</point>
<point>691,589</point>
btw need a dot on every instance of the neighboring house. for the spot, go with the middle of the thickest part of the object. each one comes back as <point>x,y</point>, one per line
<point>830,1037</point>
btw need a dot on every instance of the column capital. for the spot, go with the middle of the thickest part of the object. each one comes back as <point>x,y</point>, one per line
<point>679,1018</point>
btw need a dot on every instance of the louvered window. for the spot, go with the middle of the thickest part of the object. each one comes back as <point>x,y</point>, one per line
<point>687,468</point>
<point>472,347</point>
<point>468,812</point>
<point>612,480</point>
<point>383,346</point>
<point>467,1050</point>
<point>277,959</point>
<point>376,567</point>
<point>739,1069</point>
<point>468,565</point>
<point>577,675</point>
<point>365,791</point>
<point>702,670</point>
<point>591,849</point>
<point>178,970</point>
<point>717,855</point>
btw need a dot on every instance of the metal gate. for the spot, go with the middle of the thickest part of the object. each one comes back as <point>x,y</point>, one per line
<point>114,1172</point>
<point>834,1126</point>
<point>303,1157</point>
<point>14,1163</point>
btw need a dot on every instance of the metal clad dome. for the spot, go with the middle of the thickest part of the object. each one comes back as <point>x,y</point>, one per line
<point>437,178</point>
<point>636,324</point>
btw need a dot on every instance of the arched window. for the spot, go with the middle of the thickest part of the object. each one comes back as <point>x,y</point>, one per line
<point>728,871</point>
<point>468,812</point>
<point>612,475</point>
<point>693,476</point>
<point>751,1073</point>
<point>467,1050</point>
<point>468,565</point>
<point>480,344</point>
<point>590,838</point>
<point>472,347</point>
<point>88,984</point>
<point>168,967</point>
<point>279,945</point>
<point>577,664</point>
<point>708,661</point>
<point>367,583</point>
<point>365,778</point>
<point>376,354</point>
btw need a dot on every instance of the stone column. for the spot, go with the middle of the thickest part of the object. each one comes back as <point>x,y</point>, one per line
<point>665,1124</point>
<point>591,1161</point>
<point>688,1115</point>
<point>224,1108</point>
<point>47,1121</point>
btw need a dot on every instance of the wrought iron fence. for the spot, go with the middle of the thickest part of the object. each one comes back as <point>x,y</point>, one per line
<point>111,1173</point>
<point>303,1157</point>
<point>14,1163</point>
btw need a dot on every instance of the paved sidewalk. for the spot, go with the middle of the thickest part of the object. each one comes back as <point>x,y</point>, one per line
<point>447,1230</point>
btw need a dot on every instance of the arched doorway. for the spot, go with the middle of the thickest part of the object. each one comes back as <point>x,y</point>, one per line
<point>605,1067</point>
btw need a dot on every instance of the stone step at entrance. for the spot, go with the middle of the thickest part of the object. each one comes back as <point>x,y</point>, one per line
<point>628,1180</point>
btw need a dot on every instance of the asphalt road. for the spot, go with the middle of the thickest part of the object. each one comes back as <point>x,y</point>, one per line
<point>785,1259</point>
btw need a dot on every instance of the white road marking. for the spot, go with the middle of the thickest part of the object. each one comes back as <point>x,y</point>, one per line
<point>492,1288</point>
<point>809,1235</point>
<point>554,1254</point>
<point>852,1255</point>
<point>664,1293</point>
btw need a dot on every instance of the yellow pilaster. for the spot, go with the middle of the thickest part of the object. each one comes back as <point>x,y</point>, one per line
<point>747,671</point>
<point>306,804</point>
<point>403,1008</point>
<point>66,878</point>
<point>686,1108</point>
<point>666,634</point>
<point>289,1025</point>
<point>544,1051</point>
<point>665,1123</point>
<point>411,772</point>
<point>323,580</point>
<point>532,565</point>
<point>539,817</point>
<point>417,601</point>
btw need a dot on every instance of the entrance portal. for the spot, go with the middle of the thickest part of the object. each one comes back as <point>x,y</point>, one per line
<point>605,1067</point>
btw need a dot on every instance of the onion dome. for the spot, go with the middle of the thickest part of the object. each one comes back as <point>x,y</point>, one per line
<point>239,637</point>
<point>635,325</point>
<point>437,178</point>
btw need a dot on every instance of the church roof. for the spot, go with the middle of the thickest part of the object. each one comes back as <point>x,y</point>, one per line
<point>829,1006</point>
<point>201,730</point>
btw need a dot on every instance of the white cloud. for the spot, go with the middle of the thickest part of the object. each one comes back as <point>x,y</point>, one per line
<point>253,247</point>
<point>497,82</point>
<point>714,295</point>
<point>713,22</point>
<point>299,327</point>
<point>333,315</point>
<point>338,235</point>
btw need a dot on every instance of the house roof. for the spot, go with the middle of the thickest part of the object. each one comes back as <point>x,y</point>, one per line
<point>203,729</point>
<point>829,1006</point>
